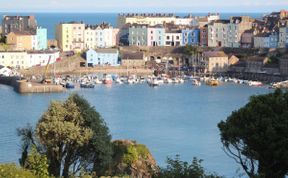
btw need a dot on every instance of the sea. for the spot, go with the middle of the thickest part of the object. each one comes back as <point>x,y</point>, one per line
<point>50,20</point>
<point>170,119</point>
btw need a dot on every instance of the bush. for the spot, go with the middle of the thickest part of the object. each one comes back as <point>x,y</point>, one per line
<point>12,171</point>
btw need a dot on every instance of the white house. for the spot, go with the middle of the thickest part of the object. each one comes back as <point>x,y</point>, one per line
<point>40,58</point>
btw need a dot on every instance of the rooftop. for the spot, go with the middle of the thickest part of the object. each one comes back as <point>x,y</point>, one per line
<point>102,26</point>
<point>147,15</point>
<point>133,55</point>
<point>214,54</point>
<point>106,50</point>
<point>23,33</point>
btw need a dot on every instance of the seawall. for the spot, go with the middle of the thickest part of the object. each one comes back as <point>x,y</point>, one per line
<point>24,86</point>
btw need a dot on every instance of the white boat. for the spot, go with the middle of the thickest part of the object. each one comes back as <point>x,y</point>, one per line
<point>97,81</point>
<point>181,80</point>
<point>160,80</point>
<point>118,80</point>
<point>168,80</point>
<point>255,83</point>
<point>131,81</point>
<point>153,82</point>
<point>196,82</point>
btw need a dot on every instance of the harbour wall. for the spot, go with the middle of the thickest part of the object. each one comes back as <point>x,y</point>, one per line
<point>23,86</point>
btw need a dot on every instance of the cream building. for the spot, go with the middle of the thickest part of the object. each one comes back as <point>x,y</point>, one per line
<point>22,40</point>
<point>27,59</point>
<point>215,61</point>
<point>70,36</point>
<point>146,18</point>
<point>15,59</point>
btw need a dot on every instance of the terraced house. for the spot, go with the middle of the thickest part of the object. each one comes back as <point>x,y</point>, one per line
<point>190,36</point>
<point>283,34</point>
<point>70,36</point>
<point>22,40</point>
<point>18,24</point>
<point>235,29</point>
<point>217,33</point>
<point>100,36</point>
<point>156,35</point>
<point>144,19</point>
<point>26,59</point>
<point>138,35</point>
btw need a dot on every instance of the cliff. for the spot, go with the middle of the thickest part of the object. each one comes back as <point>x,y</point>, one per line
<point>133,159</point>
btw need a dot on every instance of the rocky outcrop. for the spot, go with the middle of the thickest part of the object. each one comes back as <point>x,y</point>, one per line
<point>133,159</point>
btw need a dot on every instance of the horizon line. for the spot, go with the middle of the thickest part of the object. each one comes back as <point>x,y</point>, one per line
<point>110,12</point>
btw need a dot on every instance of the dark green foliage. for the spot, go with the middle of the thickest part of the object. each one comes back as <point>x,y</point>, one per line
<point>190,50</point>
<point>182,169</point>
<point>273,60</point>
<point>98,151</point>
<point>256,136</point>
<point>3,39</point>
<point>27,139</point>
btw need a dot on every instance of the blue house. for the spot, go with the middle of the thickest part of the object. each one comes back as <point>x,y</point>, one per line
<point>41,34</point>
<point>273,40</point>
<point>191,36</point>
<point>102,57</point>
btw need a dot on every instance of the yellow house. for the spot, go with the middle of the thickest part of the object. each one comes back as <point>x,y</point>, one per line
<point>70,36</point>
<point>22,40</point>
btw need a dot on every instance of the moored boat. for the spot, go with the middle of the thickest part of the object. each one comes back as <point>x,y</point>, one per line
<point>196,82</point>
<point>70,85</point>
<point>107,79</point>
<point>87,85</point>
<point>212,82</point>
<point>255,83</point>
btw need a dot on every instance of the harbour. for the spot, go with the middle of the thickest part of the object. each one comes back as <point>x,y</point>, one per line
<point>150,115</point>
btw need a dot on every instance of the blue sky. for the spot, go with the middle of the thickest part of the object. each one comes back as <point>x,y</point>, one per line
<point>143,5</point>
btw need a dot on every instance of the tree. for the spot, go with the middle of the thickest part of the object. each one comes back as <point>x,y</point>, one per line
<point>37,163</point>
<point>256,135</point>
<point>28,140</point>
<point>182,169</point>
<point>98,151</point>
<point>62,132</point>
<point>73,137</point>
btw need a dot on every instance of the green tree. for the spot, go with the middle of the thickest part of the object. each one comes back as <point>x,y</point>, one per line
<point>73,137</point>
<point>27,135</point>
<point>256,135</point>
<point>96,155</point>
<point>62,132</point>
<point>12,171</point>
<point>37,163</point>
<point>182,169</point>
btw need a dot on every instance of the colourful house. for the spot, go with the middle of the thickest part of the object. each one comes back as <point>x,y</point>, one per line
<point>191,36</point>
<point>102,56</point>
<point>138,35</point>
<point>41,35</point>
<point>156,35</point>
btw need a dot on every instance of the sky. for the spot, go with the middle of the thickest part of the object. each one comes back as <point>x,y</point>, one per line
<point>143,5</point>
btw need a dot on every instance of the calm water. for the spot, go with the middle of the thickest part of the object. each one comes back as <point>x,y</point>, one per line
<point>50,20</point>
<point>170,120</point>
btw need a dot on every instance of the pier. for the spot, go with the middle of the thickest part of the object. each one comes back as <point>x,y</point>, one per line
<point>24,86</point>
